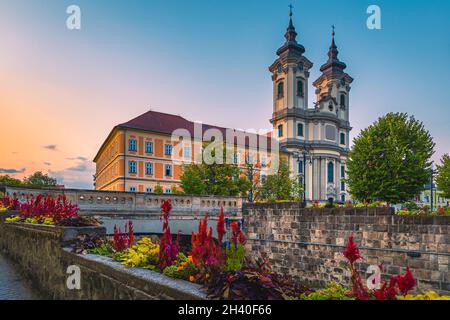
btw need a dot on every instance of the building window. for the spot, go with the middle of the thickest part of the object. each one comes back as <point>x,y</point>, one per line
<point>300,129</point>
<point>330,107</point>
<point>342,100</point>
<point>300,90</point>
<point>280,130</point>
<point>236,158</point>
<point>263,178</point>
<point>263,162</point>
<point>168,190</point>
<point>149,168</point>
<point>132,167</point>
<point>342,172</point>
<point>149,147</point>
<point>149,190</point>
<point>250,159</point>
<point>343,198</point>
<point>168,170</point>
<point>280,90</point>
<point>342,186</point>
<point>132,189</point>
<point>342,138</point>
<point>330,172</point>
<point>132,145</point>
<point>300,167</point>
<point>187,152</point>
<point>301,66</point>
<point>168,149</point>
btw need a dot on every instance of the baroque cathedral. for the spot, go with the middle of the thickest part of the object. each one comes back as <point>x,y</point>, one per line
<point>316,138</point>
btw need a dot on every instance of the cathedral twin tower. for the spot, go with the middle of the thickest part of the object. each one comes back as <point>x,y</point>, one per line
<point>316,139</point>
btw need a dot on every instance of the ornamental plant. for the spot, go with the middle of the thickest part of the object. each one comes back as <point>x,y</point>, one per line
<point>39,207</point>
<point>398,285</point>
<point>144,254</point>
<point>9,203</point>
<point>168,250</point>
<point>123,240</point>
<point>184,268</point>
<point>206,254</point>
<point>221,226</point>
<point>254,282</point>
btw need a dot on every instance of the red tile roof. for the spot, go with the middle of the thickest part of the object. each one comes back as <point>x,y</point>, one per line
<point>166,123</point>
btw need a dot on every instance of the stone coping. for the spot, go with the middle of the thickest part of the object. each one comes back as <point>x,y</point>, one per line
<point>178,287</point>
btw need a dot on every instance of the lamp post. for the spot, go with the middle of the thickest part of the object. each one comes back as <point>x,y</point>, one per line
<point>299,155</point>
<point>432,173</point>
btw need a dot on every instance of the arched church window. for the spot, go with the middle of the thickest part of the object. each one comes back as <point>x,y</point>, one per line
<point>280,90</point>
<point>280,130</point>
<point>330,172</point>
<point>342,101</point>
<point>330,107</point>
<point>342,138</point>
<point>300,88</point>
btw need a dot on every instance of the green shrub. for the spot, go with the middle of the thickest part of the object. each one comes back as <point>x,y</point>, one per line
<point>235,257</point>
<point>332,291</point>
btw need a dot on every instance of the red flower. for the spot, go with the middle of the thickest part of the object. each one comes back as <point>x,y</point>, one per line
<point>168,250</point>
<point>352,251</point>
<point>406,282</point>
<point>221,226</point>
<point>242,238</point>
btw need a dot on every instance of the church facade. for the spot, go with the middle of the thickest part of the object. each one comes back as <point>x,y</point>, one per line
<point>316,139</point>
<point>137,155</point>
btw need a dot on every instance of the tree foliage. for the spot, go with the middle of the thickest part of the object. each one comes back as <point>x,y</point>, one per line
<point>280,186</point>
<point>443,175</point>
<point>37,179</point>
<point>214,177</point>
<point>390,160</point>
<point>9,181</point>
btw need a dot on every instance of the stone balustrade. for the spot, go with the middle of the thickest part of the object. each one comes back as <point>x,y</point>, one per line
<point>106,202</point>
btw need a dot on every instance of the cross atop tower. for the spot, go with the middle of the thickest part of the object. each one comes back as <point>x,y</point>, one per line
<point>290,9</point>
<point>333,33</point>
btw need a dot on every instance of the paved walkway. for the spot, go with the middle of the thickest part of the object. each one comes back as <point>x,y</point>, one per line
<point>12,286</point>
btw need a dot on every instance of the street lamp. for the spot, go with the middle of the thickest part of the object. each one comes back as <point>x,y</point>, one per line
<point>304,153</point>
<point>432,173</point>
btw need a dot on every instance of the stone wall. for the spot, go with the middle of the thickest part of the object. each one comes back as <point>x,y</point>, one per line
<point>39,254</point>
<point>107,202</point>
<point>308,243</point>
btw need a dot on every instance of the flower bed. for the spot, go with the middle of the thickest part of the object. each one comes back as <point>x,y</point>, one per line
<point>45,210</point>
<point>224,270</point>
<point>424,212</point>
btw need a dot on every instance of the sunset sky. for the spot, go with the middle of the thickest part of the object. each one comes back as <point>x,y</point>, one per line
<point>62,91</point>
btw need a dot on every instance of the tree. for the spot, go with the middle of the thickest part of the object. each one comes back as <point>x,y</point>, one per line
<point>158,189</point>
<point>213,179</point>
<point>280,186</point>
<point>443,175</point>
<point>38,179</point>
<point>219,179</point>
<point>390,160</point>
<point>9,181</point>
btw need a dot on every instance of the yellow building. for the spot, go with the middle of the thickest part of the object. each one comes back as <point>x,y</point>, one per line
<point>143,153</point>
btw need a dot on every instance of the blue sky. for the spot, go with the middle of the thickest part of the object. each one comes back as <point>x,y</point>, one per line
<point>206,60</point>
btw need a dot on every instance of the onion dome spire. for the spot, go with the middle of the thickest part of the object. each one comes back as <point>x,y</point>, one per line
<point>333,65</point>
<point>291,46</point>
